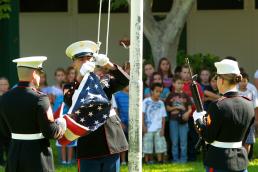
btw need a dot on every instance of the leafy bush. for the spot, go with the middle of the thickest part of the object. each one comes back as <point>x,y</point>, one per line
<point>198,61</point>
<point>5,9</point>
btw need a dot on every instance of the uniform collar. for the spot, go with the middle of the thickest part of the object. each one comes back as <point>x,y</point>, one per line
<point>24,84</point>
<point>231,93</point>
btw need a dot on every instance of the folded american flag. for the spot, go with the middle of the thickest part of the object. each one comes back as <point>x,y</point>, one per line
<point>90,109</point>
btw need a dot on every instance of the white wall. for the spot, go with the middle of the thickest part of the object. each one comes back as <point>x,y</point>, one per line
<point>218,32</point>
<point>226,33</point>
<point>50,33</point>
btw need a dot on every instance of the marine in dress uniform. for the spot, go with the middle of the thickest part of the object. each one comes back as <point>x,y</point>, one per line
<point>226,123</point>
<point>26,116</point>
<point>99,151</point>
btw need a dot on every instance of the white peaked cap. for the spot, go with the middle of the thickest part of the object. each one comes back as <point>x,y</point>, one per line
<point>227,66</point>
<point>81,48</point>
<point>34,62</point>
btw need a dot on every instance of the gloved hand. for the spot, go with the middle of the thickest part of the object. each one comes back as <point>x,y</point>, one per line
<point>61,122</point>
<point>87,67</point>
<point>101,59</point>
<point>198,115</point>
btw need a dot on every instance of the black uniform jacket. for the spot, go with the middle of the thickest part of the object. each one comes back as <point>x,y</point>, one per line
<point>23,110</point>
<point>229,118</point>
<point>109,138</point>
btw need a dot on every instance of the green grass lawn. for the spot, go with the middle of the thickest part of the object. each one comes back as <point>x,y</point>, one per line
<point>188,167</point>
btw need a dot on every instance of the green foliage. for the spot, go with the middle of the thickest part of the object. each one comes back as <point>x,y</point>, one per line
<point>5,9</point>
<point>115,4</point>
<point>198,61</point>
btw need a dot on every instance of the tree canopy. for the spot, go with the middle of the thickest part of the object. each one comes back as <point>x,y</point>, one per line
<point>5,9</point>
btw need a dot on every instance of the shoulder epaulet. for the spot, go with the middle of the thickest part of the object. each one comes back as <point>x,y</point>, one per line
<point>246,98</point>
<point>38,92</point>
<point>221,98</point>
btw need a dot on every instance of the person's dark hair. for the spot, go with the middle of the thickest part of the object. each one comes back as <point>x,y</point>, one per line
<point>242,70</point>
<point>245,75</point>
<point>169,70</point>
<point>152,77</point>
<point>154,85</point>
<point>231,58</point>
<point>178,69</point>
<point>204,69</point>
<point>45,75</point>
<point>71,68</point>
<point>148,63</point>
<point>60,70</point>
<point>233,79</point>
<point>176,78</point>
<point>3,78</point>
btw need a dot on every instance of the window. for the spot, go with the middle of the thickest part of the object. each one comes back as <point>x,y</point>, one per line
<point>162,6</point>
<point>92,6</point>
<point>43,5</point>
<point>256,4</point>
<point>219,4</point>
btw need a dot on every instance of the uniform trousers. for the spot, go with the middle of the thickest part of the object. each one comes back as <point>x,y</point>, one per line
<point>109,163</point>
<point>210,169</point>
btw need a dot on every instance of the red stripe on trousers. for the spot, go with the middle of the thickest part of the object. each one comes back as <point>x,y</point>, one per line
<point>78,164</point>
<point>211,169</point>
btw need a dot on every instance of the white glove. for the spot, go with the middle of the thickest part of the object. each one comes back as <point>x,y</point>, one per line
<point>198,115</point>
<point>101,59</point>
<point>61,122</point>
<point>87,67</point>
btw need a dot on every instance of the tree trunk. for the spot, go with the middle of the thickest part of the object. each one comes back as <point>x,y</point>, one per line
<point>161,48</point>
<point>164,35</point>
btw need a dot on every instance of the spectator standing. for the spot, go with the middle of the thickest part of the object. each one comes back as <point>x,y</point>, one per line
<point>192,135</point>
<point>44,88</point>
<point>66,152</point>
<point>4,85</point>
<point>206,88</point>
<point>148,71</point>
<point>164,68</point>
<point>154,114</point>
<point>120,101</point>
<point>4,141</point>
<point>156,78</point>
<point>57,89</point>
<point>179,107</point>
<point>243,91</point>
<point>256,79</point>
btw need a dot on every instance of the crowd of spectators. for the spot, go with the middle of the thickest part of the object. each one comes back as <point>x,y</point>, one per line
<point>169,134</point>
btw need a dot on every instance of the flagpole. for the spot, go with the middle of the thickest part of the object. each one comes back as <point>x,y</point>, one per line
<point>135,87</point>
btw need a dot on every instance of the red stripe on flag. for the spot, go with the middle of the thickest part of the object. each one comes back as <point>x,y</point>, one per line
<point>59,112</point>
<point>63,141</point>
<point>211,169</point>
<point>74,127</point>
<point>79,165</point>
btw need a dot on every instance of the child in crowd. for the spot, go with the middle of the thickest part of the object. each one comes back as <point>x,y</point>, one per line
<point>244,91</point>
<point>154,114</point>
<point>209,96</point>
<point>156,78</point>
<point>192,134</point>
<point>120,101</point>
<point>67,152</point>
<point>164,68</point>
<point>179,107</point>
<point>148,71</point>
<point>57,89</point>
